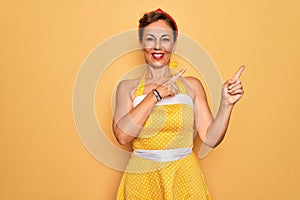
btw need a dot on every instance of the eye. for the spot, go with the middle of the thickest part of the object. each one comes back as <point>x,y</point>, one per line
<point>149,39</point>
<point>166,39</point>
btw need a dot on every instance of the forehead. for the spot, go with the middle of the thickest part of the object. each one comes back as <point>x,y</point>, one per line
<point>160,26</point>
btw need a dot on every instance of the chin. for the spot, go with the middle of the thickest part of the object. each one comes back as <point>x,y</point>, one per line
<point>158,65</point>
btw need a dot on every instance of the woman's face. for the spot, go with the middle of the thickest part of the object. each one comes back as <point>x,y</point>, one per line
<point>158,43</point>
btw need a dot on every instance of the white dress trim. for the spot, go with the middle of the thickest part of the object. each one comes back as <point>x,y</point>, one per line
<point>164,155</point>
<point>177,99</point>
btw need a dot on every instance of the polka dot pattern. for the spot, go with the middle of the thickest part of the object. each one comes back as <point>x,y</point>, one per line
<point>176,180</point>
<point>168,127</point>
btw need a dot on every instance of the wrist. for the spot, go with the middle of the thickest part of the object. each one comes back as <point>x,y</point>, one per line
<point>156,95</point>
<point>226,105</point>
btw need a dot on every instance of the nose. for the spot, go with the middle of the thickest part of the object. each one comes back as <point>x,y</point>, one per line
<point>157,45</point>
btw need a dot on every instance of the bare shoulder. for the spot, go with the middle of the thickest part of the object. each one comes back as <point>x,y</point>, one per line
<point>128,83</point>
<point>127,86</point>
<point>195,84</point>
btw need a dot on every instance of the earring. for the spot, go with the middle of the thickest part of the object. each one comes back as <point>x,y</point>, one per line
<point>173,64</point>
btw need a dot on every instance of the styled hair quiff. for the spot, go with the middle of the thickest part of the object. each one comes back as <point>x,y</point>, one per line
<point>154,16</point>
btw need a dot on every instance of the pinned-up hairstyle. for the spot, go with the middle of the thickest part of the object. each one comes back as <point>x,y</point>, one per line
<point>154,16</point>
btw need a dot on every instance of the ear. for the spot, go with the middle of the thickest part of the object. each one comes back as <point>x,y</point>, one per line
<point>174,47</point>
<point>141,46</point>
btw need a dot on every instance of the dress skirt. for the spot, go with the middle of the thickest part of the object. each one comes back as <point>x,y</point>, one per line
<point>175,180</point>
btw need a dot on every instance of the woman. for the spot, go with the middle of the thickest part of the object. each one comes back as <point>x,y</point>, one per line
<point>159,113</point>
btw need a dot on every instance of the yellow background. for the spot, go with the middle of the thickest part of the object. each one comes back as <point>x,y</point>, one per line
<point>43,44</point>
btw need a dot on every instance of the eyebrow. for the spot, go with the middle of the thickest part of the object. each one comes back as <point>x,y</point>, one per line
<point>161,36</point>
<point>150,35</point>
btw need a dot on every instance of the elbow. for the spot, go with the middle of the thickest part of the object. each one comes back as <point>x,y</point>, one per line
<point>122,138</point>
<point>212,144</point>
<point>209,142</point>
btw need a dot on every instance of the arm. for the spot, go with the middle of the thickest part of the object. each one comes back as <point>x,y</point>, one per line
<point>212,130</point>
<point>128,120</point>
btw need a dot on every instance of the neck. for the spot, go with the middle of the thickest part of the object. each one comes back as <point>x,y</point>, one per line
<point>158,74</point>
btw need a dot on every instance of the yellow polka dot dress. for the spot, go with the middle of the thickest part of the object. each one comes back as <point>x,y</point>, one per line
<point>169,126</point>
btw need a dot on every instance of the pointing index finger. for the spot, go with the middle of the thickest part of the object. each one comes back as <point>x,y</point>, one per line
<point>239,72</point>
<point>180,73</point>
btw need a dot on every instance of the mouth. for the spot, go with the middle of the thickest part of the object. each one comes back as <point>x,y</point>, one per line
<point>158,56</point>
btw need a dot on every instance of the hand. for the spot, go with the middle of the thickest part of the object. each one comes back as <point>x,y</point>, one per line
<point>169,88</point>
<point>232,90</point>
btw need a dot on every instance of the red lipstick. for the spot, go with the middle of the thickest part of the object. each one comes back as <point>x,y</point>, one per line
<point>158,56</point>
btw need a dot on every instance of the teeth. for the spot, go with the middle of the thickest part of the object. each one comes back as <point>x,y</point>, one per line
<point>157,55</point>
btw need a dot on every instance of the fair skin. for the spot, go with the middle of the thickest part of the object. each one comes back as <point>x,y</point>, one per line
<point>157,45</point>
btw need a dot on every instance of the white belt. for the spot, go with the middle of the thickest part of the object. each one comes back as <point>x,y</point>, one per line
<point>164,155</point>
